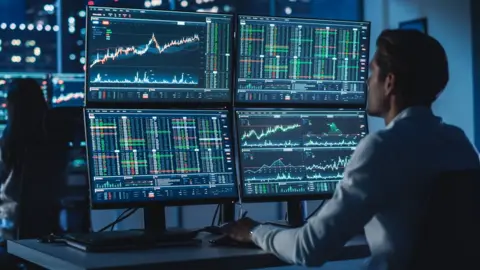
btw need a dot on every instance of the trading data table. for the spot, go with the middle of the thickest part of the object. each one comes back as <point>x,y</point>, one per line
<point>68,90</point>
<point>296,152</point>
<point>142,155</point>
<point>158,56</point>
<point>285,60</point>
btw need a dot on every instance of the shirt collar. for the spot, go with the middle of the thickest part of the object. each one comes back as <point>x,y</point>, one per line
<point>415,111</point>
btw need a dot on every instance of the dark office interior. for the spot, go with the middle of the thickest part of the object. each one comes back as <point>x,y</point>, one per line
<point>177,115</point>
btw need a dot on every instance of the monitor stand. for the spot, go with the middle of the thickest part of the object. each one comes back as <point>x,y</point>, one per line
<point>154,219</point>
<point>155,224</point>
<point>295,212</point>
<point>227,213</point>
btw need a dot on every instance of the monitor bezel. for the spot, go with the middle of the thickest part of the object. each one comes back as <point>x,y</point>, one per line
<point>159,104</point>
<point>280,198</point>
<point>304,105</point>
<point>51,85</point>
<point>178,202</point>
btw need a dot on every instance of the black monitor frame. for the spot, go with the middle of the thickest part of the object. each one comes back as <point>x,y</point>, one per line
<point>303,105</point>
<point>294,199</point>
<point>193,103</point>
<point>158,206</point>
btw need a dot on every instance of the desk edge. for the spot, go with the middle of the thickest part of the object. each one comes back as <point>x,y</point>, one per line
<point>39,258</point>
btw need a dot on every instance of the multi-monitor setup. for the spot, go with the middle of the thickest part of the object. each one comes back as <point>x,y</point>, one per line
<point>195,108</point>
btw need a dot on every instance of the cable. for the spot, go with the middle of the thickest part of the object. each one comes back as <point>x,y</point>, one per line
<point>120,218</point>
<point>316,210</point>
<point>115,221</point>
<point>124,215</point>
<point>215,216</point>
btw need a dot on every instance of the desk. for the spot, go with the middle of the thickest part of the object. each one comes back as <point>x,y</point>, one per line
<point>61,257</point>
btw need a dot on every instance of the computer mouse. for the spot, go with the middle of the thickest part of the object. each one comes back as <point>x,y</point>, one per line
<point>227,241</point>
<point>47,239</point>
<point>222,240</point>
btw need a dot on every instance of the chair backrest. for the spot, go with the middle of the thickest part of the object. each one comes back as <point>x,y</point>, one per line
<point>450,229</point>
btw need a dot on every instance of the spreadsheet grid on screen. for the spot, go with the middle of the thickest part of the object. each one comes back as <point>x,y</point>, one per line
<point>294,61</point>
<point>159,155</point>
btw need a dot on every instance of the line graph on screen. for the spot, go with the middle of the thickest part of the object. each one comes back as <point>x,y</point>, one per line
<point>152,46</point>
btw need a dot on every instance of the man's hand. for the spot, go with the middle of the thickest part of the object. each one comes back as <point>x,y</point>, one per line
<point>240,229</point>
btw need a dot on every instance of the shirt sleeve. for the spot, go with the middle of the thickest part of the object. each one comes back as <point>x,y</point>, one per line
<point>357,198</point>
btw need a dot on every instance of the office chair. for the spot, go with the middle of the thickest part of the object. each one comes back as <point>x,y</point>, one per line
<point>449,234</point>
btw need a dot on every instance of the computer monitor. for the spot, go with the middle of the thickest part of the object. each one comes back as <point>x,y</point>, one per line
<point>6,78</point>
<point>141,157</point>
<point>301,61</point>
<point>295,153</point>
<point>136,55</point>
<point>68,90</point>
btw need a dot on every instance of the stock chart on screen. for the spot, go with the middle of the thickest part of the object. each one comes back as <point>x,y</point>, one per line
<point>68,90</point>
<point>285,60</point>
<point>296,152</point>
<point>158,56</point>
<point>159,155</point>
<point>6,78</point>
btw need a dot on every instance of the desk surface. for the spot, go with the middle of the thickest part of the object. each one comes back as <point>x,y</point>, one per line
<point>60,256</point>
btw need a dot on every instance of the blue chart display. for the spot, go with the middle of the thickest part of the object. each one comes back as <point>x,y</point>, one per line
<point>6,78</point>
<point>3,99</point>
<point>285,60</point>
<point>2,129</point>
<point>158,56</point>
<point>296,151</point>
<point>68,90</point>
<point>159,155</point>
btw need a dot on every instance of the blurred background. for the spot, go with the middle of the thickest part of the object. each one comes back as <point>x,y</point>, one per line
<point>48,35</point>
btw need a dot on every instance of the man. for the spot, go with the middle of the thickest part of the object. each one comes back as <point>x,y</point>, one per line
<point>390,171</point>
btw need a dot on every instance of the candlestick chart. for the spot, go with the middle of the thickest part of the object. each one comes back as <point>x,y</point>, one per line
<point>296,151</point>
<point>68,90</point>
<point>123,52</point>
<point>160,59</point>
<point>152,149</point>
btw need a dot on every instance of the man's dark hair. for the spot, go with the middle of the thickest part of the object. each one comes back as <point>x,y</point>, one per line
<point>417,60</point>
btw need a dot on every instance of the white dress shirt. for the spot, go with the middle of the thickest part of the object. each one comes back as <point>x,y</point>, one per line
<point>383,185</point>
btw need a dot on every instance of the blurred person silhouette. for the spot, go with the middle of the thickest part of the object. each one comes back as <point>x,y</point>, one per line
<point>29,175</point>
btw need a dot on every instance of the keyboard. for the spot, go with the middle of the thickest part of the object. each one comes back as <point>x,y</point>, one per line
<point>97,241</point>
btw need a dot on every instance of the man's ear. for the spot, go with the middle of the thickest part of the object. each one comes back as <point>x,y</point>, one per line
<point>389,84</point>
